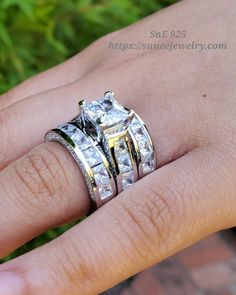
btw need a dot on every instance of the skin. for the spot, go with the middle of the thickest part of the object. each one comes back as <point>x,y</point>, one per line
<point>186,98</point>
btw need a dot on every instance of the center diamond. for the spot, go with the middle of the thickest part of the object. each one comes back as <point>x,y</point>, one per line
<point>105,111</point>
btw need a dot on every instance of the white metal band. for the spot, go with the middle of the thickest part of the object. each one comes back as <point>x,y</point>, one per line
<point>91,160</point>
<point>143,146</point>
<point>117,146</point>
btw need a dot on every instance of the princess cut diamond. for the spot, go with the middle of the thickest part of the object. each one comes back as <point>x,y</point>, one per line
<point>100,174</point>
<point>124,163</point>
<point>69,129</point>
<point>76,135</point>
<point>92,156</point>
<point>134,123</point>
<point>139,133</point>
<point>148,164</point>
<point>105,191</point>
<point>127,179</point>
<point>81,140</point>
<point>145,147</point>
<point>120,147</point>
<point>105,110</point>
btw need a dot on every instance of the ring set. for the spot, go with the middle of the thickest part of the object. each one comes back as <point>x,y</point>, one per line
<point>111,145</point>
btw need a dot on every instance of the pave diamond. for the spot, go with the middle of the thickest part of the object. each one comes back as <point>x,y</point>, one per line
<point>105,191</point>
<point>92,156</point>
<point>127,179</point>
<point>120,147</point>
<point>101,174</point>
<point>124,163</point>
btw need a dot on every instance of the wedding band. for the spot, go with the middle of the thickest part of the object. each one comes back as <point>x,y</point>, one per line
<point>144,149</point>
<point>91,160</point>
<point>111,145</point>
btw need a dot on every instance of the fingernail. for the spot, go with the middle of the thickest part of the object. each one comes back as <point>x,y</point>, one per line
<point>10,284</point>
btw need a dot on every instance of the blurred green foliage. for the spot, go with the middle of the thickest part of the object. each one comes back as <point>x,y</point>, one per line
<point>37,34</point>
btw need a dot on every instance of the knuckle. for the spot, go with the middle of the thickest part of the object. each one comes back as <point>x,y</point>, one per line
<point>149,219</point>
<point>76,269</point>
<point>41,175</point>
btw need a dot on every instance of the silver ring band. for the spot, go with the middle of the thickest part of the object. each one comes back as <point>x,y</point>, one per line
<point>143,146</point>
<point>91,160</point>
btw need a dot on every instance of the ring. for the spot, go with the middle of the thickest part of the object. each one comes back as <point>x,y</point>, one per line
<point>123,136</point>
<point>111,145</point>
<point>91,160</point>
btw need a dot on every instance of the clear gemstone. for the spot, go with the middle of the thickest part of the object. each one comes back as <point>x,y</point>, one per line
<point>82,141</point>
<point>148,164</point>
<point>145,147</point>
<point>107,104</point>
<point>101,174</point>
<point>120,147</point>
<point>106,110</point>
<point>134,123</point>
<point>127,179</point>
<point>139,133</point>
<point>68,129</point>
<point>105,191</point>
<point>124,163</point>
<point>115,116</point>
<point>76,135</point>
<point>92,156</point>
<point>93,109</point>
<point>117,131</point>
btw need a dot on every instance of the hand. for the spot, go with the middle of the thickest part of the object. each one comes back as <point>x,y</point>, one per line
<point>187,100</point>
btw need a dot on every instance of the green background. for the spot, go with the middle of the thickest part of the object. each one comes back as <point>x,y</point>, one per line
<point>37,34</point>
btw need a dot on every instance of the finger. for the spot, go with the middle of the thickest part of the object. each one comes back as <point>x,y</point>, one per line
<point>18,139</point>
<point>170,143</point>
<point>40,191</point>
<point>163,213</point>
<point>57,76</point>
<point>62,74</point>
<point>40,112</point>
<point>45,188</point>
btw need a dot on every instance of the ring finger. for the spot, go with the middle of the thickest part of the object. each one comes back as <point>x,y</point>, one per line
<point>45,187</point>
